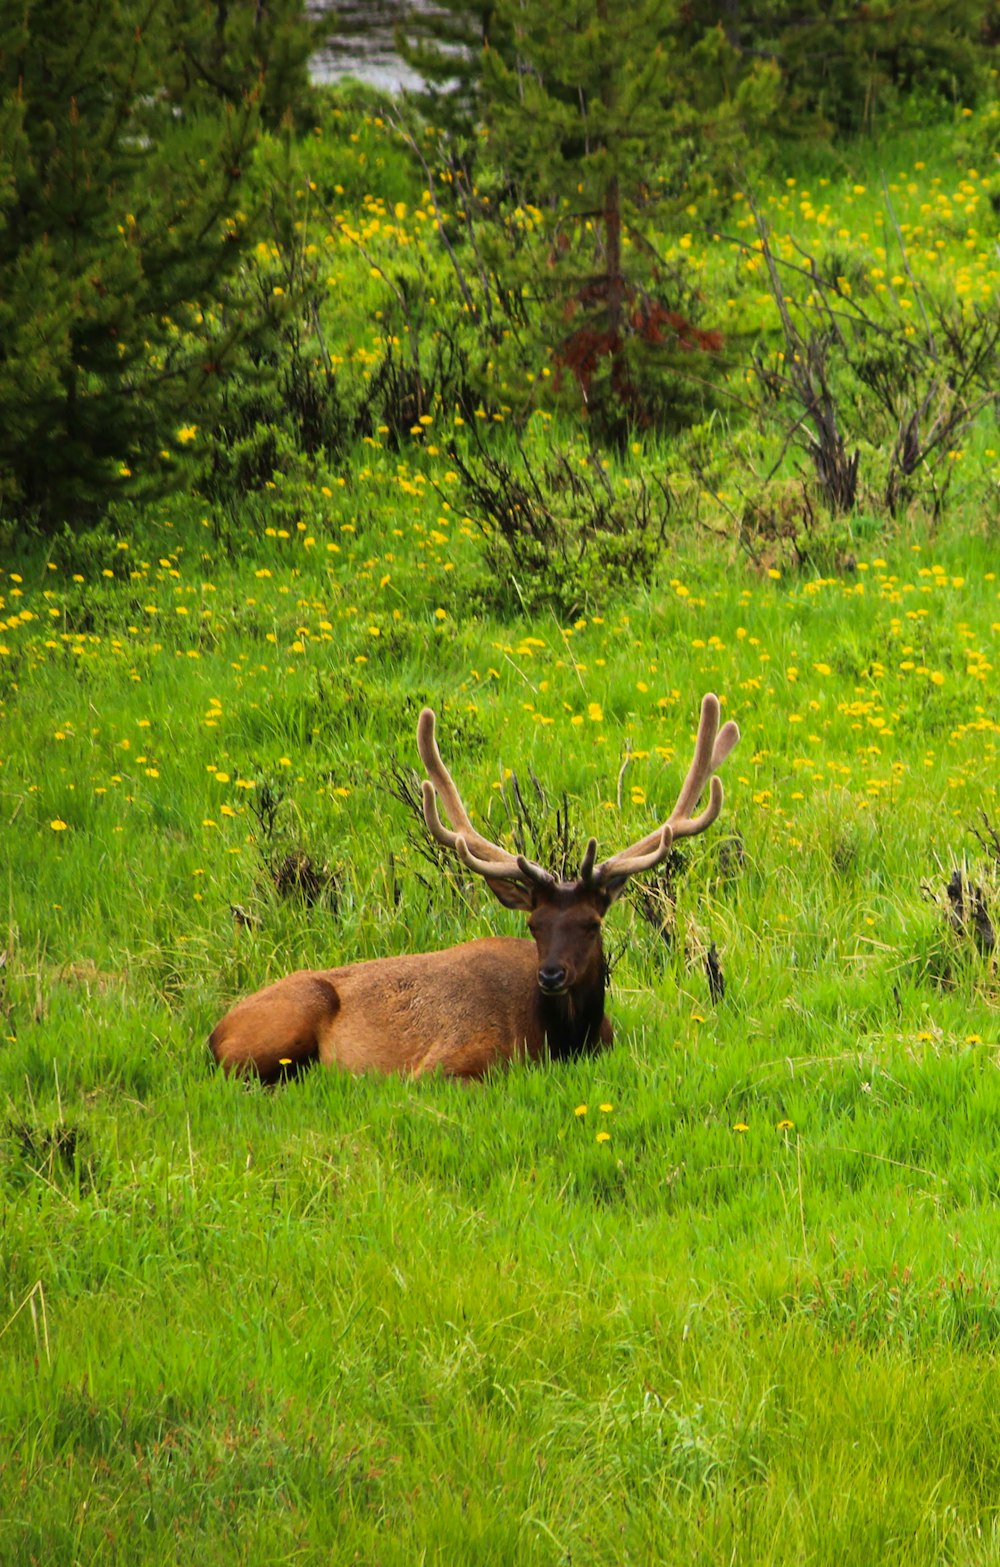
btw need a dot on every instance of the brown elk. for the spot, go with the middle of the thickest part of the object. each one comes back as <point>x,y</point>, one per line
<point>479,1005</point>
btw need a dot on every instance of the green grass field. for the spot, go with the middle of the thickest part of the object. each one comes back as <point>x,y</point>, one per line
<point>726,1293</point>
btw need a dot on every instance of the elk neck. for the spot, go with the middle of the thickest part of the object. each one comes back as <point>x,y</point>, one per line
<point>570,1023</point>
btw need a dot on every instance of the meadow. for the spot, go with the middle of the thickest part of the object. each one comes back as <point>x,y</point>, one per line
<point>724,1293</point>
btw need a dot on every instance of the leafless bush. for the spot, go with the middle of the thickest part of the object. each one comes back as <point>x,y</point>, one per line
<point>909,372</point>
<point>290,870</point>
<point>969,902</point>
<point>560,533</point>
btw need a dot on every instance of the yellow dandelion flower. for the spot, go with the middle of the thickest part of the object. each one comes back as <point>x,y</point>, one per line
<point>603,1137</point>
<point>58,825</point>
<point>740,1126</point>
<point>580,1110</point>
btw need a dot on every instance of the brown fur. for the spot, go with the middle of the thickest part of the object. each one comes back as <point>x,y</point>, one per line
<point>464,1010</point>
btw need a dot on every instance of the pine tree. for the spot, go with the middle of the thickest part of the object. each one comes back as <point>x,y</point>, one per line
<point>843,65</point>
<point>121,236</point>
<point>590,122</point>
<point>220,49</point>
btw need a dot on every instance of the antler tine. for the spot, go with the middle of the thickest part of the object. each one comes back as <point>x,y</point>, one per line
<point>701,762</point>
<point>687,826</point>
<point>642,856</point>
<point>440,777</point>
<point>725,741</point>
<point>712,746</point>
<point>587,863</point>
<point>477,852</point>
<point>519,869</point>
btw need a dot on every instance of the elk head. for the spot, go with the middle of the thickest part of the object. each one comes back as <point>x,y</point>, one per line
<point>565,917</point>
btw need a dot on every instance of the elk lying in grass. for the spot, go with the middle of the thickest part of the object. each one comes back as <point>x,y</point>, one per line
<point>476,1006</point>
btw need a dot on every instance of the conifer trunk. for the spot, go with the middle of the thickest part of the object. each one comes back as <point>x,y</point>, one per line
<point>614,282</point>
<point>614,286</point>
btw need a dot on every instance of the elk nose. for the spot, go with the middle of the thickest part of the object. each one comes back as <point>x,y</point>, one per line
<point>552,977</point>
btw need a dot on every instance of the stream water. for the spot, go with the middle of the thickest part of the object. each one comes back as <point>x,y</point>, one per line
<point>364,43</point>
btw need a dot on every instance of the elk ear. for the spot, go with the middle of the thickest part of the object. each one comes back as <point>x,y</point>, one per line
<point>511,894</point>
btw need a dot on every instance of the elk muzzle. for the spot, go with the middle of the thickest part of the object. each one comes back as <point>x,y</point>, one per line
<point>552,979</point>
